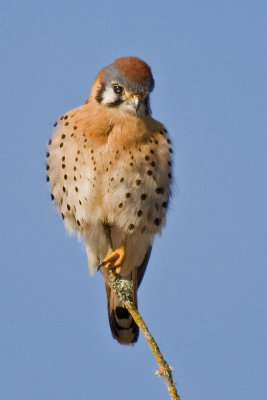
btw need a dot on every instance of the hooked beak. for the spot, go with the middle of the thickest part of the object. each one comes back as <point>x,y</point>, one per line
<point>135,101</point>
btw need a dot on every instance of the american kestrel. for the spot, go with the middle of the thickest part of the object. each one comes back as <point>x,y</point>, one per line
<point>109,166</point>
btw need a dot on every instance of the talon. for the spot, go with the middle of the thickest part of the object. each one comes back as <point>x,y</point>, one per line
<point>120,259</point>
<point>115,259</point>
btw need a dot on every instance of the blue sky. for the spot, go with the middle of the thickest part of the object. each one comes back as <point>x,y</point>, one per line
<point>204,293</point>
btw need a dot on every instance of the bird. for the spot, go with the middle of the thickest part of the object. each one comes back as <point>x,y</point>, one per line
<point>109,166</point>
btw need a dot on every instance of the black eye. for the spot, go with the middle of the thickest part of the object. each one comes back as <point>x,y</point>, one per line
<point>118,89</point>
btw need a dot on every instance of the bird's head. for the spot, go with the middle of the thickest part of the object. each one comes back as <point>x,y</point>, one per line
<point>125,85</point>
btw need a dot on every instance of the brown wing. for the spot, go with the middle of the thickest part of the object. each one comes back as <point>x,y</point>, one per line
<point>142,268</point>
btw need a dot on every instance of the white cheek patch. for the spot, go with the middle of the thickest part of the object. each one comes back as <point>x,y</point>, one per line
<point>109,96</point>
<point>127,107</point>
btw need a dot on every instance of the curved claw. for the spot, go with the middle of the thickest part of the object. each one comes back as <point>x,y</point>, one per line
<point>115,259</point>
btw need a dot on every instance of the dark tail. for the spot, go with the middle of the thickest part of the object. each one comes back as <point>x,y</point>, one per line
<point>122,325</point>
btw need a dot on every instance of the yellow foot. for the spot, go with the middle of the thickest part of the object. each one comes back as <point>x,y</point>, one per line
<point>115,259</point>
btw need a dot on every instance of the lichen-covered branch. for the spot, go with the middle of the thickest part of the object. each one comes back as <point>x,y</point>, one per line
<point>124,289</point>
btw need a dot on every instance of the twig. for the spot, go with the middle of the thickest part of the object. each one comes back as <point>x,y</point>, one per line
<point>124,289</point>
